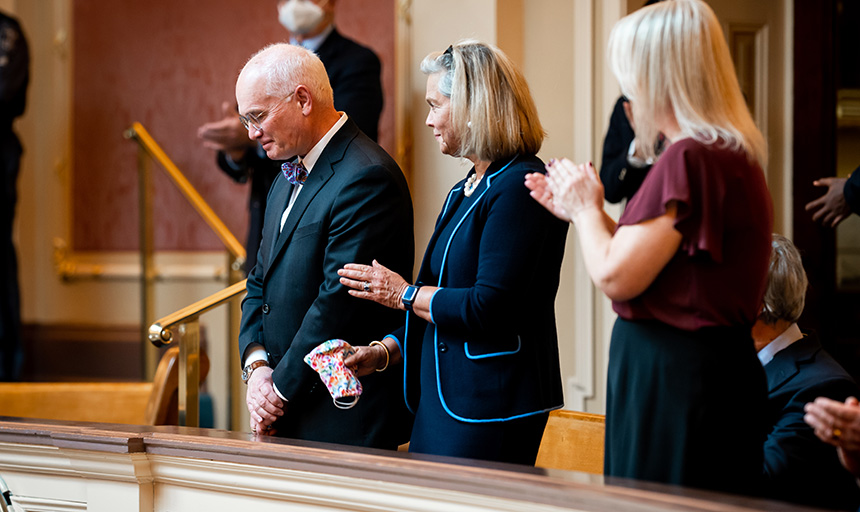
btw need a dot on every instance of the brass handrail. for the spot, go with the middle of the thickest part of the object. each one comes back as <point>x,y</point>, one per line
<point>139,133</point>
<point>187,323</point>
<point>160,333</point>
<point>189,328</point>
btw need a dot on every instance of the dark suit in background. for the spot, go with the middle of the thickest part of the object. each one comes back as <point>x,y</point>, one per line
<point>620,179</point>
<point>353,71</point>
<point>852,192</point>
<point>797,465</point>
<point>355,206</point>
<point>14,77</point>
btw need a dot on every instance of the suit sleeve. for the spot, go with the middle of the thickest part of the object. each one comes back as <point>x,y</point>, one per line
<point>518,238</point>
<point>620,180</point>
<point>793,455</point>
<point>369,218</point>
<point>358,91</point>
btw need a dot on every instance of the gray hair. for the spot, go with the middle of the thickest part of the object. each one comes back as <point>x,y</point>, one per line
<point>441,63</point>
<point>285,67</point>
<point>786,283</point>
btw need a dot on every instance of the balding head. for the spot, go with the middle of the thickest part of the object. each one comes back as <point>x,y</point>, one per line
<point>285,90</point>
<point>284,66</point>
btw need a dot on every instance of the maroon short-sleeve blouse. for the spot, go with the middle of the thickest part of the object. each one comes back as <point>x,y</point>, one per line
<point>725,215</point>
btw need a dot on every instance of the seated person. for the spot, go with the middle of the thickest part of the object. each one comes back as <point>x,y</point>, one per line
<point>797,466</point>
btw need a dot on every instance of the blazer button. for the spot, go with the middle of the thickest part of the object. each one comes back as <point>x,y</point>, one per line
<point>265,309</point>
<point>443,347</point>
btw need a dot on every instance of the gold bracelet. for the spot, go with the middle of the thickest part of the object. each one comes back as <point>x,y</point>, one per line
<point>387,354</point>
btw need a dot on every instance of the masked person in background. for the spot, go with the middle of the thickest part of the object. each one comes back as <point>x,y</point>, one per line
<point>353,71</point>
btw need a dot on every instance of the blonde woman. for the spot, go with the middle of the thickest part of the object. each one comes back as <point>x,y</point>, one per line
<point>479,344</point>
<point>686,264</point>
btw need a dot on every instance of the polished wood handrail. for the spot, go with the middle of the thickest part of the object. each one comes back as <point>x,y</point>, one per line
<point>139,133</point>
<point>77,462</point>
<point>160,333</point>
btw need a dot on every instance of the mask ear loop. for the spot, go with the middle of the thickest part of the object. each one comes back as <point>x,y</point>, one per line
<point>345,405</point>
<point>346,352</point>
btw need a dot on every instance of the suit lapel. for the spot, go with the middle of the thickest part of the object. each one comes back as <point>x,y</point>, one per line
<point>322,172</point>
<point>786,363</point>
<point>278,203</point>
<point>452,202</point>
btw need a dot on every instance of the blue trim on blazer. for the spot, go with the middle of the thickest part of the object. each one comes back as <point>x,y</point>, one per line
<point>472,420</point>
<point>431,304</point>
<point>393,337</point>
<point>495,354</point>
<point>403,353</point>
<point>460,223</point>
<point>448,201</point>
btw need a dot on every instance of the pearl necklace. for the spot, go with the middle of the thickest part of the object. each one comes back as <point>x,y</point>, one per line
<point>471,184</point>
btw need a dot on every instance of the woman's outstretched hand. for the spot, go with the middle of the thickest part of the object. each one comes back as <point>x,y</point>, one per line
<point>373,282</point>
<point>575,187</point>
<point>567,189</point>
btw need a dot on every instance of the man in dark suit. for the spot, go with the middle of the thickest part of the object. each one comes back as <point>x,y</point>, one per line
<point>14,77</point>
<point>353,71</point>
<point>797,465</point>
<point>354,205</point>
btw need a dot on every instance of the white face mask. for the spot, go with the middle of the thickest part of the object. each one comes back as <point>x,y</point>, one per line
<point>300,16</point>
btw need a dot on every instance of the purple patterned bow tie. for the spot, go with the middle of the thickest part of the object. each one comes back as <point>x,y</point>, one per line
<point>296,173</point>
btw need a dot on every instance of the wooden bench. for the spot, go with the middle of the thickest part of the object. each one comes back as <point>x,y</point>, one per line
<point>574,441</point>
<point>136,403</point>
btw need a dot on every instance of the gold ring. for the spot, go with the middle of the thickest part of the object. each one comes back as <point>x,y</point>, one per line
<point>837,433</point>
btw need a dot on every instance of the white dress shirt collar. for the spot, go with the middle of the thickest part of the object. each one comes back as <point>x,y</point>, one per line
<point>310,160</point>
<point>782,341</point>
<point>313,43</point>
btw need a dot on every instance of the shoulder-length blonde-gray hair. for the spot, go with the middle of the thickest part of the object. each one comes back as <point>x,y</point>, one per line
<point>672,57</point>
<point>492,111</point>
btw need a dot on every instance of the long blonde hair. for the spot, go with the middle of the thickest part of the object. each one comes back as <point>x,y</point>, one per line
<point>672,57</point>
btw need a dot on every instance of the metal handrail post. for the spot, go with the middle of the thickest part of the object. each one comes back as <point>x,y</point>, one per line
<point>189,373</point>
<point>147,255</point>
<point>187,324</point>
<point>234,318</point>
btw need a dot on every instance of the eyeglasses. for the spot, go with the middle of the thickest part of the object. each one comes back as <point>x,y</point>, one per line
<point>255,121</point>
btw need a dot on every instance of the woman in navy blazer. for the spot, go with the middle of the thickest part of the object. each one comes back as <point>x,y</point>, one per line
<point>479,344</point>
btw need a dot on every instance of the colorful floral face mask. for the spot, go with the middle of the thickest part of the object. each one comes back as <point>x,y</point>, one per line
<point>327,360</point>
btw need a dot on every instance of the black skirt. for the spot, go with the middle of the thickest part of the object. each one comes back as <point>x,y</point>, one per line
<point>685,408</point>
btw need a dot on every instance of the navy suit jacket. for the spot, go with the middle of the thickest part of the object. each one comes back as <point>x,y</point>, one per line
<point>797,465</point>
<point>494,328</point>
<point>355,206</point>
